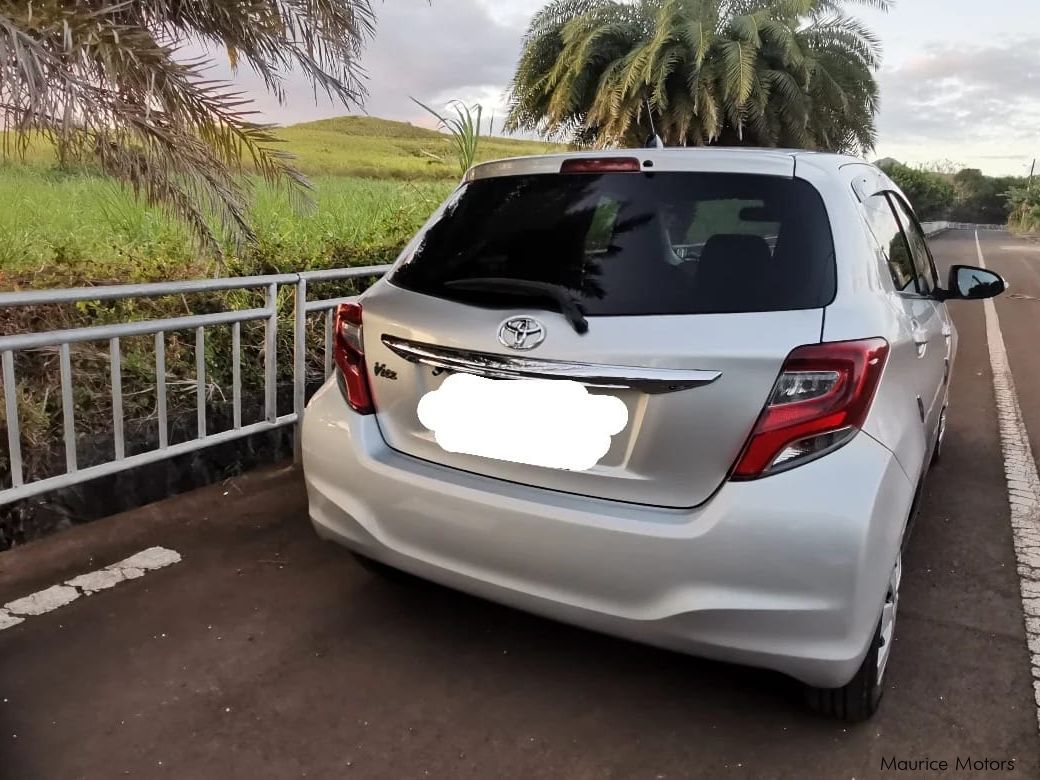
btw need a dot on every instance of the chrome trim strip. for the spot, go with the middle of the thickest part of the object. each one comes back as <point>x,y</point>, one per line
<point>648,380</point>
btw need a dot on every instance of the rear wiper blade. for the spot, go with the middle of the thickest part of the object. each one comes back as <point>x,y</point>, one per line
<point>527,289</point>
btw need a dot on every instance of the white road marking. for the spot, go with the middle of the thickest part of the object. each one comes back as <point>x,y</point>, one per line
<point>97,580</point>
<point>42,601</point>
<point>48,599</point>
<point>1022,480</point>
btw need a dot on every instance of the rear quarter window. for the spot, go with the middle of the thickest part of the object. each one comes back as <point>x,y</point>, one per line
<point>886,230</point>
<point>633,243</point>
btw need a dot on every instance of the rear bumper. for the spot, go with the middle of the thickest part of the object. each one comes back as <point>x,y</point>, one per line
<point>786,573</point>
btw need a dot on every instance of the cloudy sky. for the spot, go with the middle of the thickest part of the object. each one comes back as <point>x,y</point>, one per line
<point>960,81</point>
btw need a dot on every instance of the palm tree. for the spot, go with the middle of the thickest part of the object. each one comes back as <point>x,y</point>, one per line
<point>757,72</point>
<point>110,83</point>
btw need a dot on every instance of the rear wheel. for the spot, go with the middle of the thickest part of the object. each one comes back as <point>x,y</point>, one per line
<point>858,700</point>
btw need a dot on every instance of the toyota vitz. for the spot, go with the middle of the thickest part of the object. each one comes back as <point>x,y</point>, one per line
<point>768,343</point>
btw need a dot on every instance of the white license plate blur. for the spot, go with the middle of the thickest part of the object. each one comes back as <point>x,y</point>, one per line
<point>554,423</point>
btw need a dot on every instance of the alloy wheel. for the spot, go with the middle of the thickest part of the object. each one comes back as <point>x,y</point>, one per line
<point>888,619</point>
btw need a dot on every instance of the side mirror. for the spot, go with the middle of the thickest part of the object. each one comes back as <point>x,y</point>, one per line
<point>968,283</point>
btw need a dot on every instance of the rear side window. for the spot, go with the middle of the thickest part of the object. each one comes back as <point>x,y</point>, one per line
<point>923,268</point>
<point>885,227</point>
<point>632,243</point>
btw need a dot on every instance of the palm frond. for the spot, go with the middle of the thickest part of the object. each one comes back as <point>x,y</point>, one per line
<point>108,83</point>
<point>464,129</point>
<point>798,72</point>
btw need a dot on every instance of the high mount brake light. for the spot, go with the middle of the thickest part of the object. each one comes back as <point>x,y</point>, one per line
<point>819,402</point>
<point>348,350</point>
<point>601,165</point>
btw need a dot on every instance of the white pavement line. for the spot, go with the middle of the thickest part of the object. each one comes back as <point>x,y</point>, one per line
<point>1022,480</point>
<point>56,596</point>
<point>42,601</point>
<point>7,619</point>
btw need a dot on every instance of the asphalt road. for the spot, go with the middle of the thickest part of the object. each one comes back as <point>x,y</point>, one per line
<point>268,654</point>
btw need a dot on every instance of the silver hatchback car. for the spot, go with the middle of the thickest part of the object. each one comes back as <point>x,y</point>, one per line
<point>770,338</point>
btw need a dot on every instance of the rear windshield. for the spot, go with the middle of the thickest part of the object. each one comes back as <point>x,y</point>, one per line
<point>631,243</point>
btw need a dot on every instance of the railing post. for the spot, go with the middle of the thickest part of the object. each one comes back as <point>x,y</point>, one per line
<point>200,381</point>
<point>116,370</point>
<point>299,365</point>
<point>160,389</point>
<point>271,355</point>
<point>236,374</point>
<point>14,434</point>
<point>330,321</point>
<point>68,409</point>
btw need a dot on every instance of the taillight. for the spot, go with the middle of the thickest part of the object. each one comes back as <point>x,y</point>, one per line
<point>600,165</point>
<point>818,403</point>
<point>348,350</point>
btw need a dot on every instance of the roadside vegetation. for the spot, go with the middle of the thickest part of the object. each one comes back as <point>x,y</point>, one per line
<point>1025,209</point>
<point>374,182</point>
<point>964,195</point>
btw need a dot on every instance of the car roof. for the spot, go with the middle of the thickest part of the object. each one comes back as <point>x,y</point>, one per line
<point>701,158</point>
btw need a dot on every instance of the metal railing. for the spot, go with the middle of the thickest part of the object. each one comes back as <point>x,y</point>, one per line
<point>935,228</point>
<point>972,226</point>
<point>20,488</point>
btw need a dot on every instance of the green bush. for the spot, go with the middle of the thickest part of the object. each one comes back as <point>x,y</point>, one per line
<point>1024,202</point>
<point>931,194</point>
<point>981,199</point>
<point>69,230</point>
<point>965,196</point>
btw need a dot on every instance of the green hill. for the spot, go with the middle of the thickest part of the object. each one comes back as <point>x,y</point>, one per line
<point>383,149</point>
<point>365,146</point>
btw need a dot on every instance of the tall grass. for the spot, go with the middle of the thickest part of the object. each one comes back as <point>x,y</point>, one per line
<point>375,181</point>
<point>60,229</point>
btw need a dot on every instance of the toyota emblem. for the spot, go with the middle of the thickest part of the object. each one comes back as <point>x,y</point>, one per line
<point>521,333</point>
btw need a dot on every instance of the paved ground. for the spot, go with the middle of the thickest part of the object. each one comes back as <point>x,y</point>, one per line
<point>267,653</point>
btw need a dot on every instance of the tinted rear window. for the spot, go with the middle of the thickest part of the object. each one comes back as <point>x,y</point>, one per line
<point>633,243</point>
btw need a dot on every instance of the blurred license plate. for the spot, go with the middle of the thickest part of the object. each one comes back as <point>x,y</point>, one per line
<point>552,423</point>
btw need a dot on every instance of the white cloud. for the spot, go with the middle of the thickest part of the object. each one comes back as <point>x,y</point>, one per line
<point>435,52</point>
<point>977,105</point>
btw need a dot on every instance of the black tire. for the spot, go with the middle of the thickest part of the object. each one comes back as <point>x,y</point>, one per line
<point>856,701</point>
